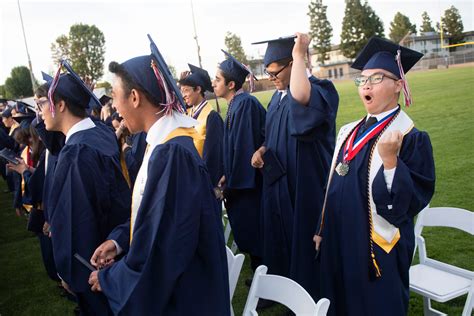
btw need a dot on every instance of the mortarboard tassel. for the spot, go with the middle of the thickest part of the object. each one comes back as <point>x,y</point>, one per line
<point>251,79</point>
<point>170,99</point>
<point>52,88</point>
<point>406,90</point>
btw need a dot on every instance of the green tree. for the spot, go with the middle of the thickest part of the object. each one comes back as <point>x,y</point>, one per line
<point>453,26</point>
<point>18,85</point>
<point>360,22</point>
<point>84,46</point>
<point>400,27</point>
<point>2,91</point>
<point>426,23</point>
<point>320,29</point>
<point>234,47</point>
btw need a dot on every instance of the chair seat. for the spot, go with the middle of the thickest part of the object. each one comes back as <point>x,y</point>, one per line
<point>436,284</point>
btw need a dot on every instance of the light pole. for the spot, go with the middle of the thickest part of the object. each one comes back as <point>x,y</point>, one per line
<point>33,84</point>
<point>195,35</point>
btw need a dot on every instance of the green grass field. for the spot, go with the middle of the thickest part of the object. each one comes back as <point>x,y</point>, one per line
<point>443,106</point>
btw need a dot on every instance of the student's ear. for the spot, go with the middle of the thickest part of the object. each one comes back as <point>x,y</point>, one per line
<point>61,106</point>
<point>198,89</point>
<point>231,85</point>
<point>398,86</point>
<point>135,98</point>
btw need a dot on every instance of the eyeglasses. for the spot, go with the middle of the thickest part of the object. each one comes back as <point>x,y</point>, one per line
<point>274,75</point>
<point>375,78</point>
<point>40,103</point>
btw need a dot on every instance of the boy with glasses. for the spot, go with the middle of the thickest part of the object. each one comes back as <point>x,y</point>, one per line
<point>382,175</point>
<point>295,158</point>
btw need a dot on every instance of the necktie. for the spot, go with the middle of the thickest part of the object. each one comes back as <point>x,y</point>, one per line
<point>370,121</point>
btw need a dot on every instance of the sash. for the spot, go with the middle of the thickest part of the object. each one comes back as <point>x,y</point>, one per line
<point>384,234</point>
<point>141,179</point>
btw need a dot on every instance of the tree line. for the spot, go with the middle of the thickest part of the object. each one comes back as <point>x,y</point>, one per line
<point>84,45</point>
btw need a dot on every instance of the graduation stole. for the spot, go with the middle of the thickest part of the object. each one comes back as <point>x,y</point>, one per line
<point>201,128</point>
<point>195,113</point>
<point>198,140</point>
<point>384,234</point>
<point>26,155</point>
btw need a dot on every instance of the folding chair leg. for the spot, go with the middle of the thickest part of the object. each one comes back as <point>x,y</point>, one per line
<point>469,303</point>
<point>428,310</point>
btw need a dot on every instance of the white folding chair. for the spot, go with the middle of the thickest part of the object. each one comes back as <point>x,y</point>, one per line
<point>227,229</point>
<point>436,280</point>
<point>282,290</point>
<point>234,264</point>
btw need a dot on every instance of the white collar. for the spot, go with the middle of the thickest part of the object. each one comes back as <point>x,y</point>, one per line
<point>82,125</point>
<point>381,115</point>
<point>165,125</point>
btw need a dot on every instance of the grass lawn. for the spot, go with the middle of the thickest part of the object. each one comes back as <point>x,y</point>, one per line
<point>443,106</point>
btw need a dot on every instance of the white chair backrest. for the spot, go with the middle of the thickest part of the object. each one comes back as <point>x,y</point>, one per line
<point>285,291</point>
<point>446,217</point>
<point>234,264</point>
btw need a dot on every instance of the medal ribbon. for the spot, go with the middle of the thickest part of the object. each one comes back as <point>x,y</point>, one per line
<point>353,145</point>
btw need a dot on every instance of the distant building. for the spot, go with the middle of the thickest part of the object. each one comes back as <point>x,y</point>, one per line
<point>336,67</point>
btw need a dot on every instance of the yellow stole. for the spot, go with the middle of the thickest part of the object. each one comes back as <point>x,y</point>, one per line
<point>180,131</point>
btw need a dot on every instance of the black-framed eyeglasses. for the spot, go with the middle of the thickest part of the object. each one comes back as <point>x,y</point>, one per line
<point>40,103</point>
<point>375,78</point>
<point>274,75</point>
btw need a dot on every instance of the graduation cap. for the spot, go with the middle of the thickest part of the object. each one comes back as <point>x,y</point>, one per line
<point>383,54</point>
<point>104,99</point>
<point>70,86</point>
<point>174,99</point>
<point>278,49</point>
<point>198,77</point>
<point>236,70</point>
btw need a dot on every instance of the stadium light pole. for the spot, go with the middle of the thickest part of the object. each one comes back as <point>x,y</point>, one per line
<point>33,84</point>
<point>195,35</point>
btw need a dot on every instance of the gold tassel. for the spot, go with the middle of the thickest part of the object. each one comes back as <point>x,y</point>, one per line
<point>378,273</point>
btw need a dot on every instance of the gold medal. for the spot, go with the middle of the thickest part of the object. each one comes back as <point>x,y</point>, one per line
<point>342,169</point>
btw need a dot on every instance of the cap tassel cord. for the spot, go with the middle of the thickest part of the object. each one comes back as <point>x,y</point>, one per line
<point>52,88</point>
<point>171,100</point>
<point>406,90</point>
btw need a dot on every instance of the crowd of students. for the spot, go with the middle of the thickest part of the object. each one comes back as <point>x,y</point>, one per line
<point>137,191</point>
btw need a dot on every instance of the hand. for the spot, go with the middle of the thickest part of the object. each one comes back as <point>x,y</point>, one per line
<point>19,168</point>
<point>221,182</point>
<point>18,212</point>
<point>389,145</point>
<point>46,228</point>
<point>301,45</point>
<point>184,74</point>
<point>94,281</point>
<point>104,254</point>
<point>317,241</point>
<point>257,158</point>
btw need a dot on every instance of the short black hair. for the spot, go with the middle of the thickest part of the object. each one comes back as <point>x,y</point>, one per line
<point>75,109</point>
<point>186,82</point>
<point>129,84</point>
<point>227,79</point>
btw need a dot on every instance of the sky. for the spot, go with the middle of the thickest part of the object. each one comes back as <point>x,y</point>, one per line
<point>125,24</point>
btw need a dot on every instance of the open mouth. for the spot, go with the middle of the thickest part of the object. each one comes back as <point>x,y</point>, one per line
<point>368,98</point>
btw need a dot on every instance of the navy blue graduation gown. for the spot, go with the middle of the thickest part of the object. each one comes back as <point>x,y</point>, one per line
<point>88,197</point>
<point>134,155</point>
<point>212,153</point>
<point>176,263</point>
<point>344,257</point>
<point>243,134</point>
<point>303,139</point>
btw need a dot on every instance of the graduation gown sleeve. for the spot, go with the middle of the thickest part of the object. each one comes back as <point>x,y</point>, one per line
<point>247,135</point>
<point>413,182</point>
<point>315,119</point>
<point>212,153</point>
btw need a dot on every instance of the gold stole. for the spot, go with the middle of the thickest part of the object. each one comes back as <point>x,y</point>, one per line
<point>180,131</point>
